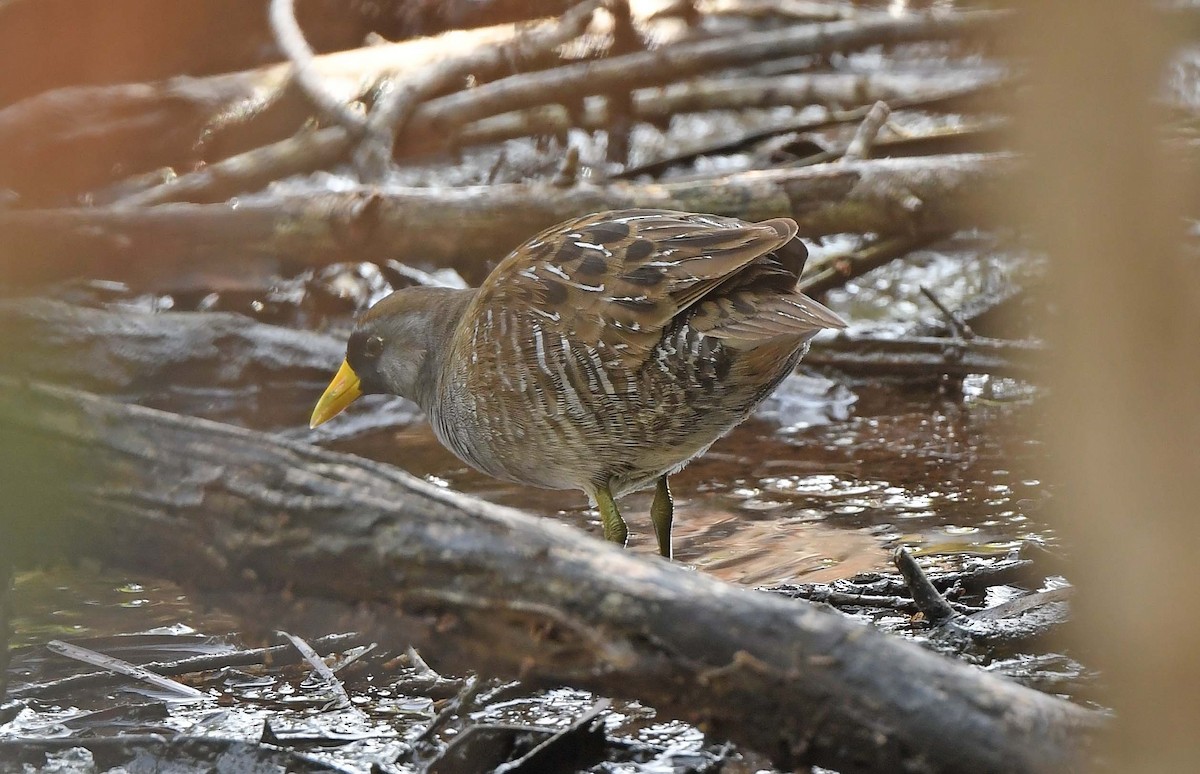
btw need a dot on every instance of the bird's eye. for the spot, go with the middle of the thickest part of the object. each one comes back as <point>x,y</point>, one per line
<point>373,347</point>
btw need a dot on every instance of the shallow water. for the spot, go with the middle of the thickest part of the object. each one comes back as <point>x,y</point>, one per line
<point>821,484</point>
<point>825,479</point>
<point>850,476</point>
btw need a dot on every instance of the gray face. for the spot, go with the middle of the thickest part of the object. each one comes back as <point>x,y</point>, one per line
<point>391,344</point>
<point>387,354</point>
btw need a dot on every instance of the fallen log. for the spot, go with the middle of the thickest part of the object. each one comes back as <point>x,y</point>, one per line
<point>229,511</point>
<point>375,136</point>
<point>464,228</point>
<point>437,120</point>
<point>925,357</point>
<point>136,353</point>
<point>48,44</point>
<point>212,364</point>
<point>215,365</point>
<point>226,366</point>
<point>70,138</point>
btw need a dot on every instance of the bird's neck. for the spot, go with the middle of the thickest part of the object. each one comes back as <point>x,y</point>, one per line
<point>443,321</point>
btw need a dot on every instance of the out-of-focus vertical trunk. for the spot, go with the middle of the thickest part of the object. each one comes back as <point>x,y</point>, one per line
<point>1125,410</point>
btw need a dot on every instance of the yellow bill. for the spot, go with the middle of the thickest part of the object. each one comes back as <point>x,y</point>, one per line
<point>340,393</point>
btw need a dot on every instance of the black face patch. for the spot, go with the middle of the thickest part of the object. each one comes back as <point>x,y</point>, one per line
<point>556,292</point>
<point>363,351</point>
<point>607,233</point>
<point>356,349</point>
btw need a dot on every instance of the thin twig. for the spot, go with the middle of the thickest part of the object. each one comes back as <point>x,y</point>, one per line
<point>322,669</point>
<point>568,171</point>
<point>183,666</point>
<point>928,599</point>
<point>421,666</point>
<point>960,327</point>
<point>120,666</point>
<point>864,137</point>
<point>306,151</point>
<point>837,272</point>
<point>423,746</point>
<point>290,39</point>
<point>398,102</point>
<point>497,165</point>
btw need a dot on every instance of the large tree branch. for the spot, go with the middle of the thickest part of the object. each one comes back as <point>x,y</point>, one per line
<point>464,228</point>
<point>73,138</point>
<point>485,587</point>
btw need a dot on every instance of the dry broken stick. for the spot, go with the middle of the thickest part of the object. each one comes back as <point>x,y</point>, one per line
<point>402,96</point>
<point>657,105</point>
<point>1017,619</point>
<point>122,667</point>
<point>290,40</point>
<point>864,137</point>
<point>424,749</point>
<point>491,747</point>
<point>836,271</point>
<point>978,311</point>
<point>73,139</point>
<point>956,323</point>
<point>651,111</point>
<point>924,358</point>
<point>321,149</point>
<point>321,668</point>
<point>928,599</point>
<point>307,151</point>
<point>276,654</point>
<point>435,120</point>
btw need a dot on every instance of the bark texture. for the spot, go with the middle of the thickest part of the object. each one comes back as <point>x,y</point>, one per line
<point>480,586</point>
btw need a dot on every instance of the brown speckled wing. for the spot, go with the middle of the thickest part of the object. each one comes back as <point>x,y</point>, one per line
<point>612,348</point>
<point>614,281</point>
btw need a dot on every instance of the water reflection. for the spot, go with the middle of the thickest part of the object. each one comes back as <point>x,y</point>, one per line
<point>822,484</point>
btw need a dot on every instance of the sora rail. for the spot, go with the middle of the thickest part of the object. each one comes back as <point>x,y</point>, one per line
<point>603,354</point>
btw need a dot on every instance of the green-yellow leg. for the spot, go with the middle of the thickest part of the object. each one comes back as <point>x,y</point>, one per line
<point>662,510</point>
<point>615,530</point>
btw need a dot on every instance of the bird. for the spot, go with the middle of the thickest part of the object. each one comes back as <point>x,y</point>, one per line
<point>602,355</point>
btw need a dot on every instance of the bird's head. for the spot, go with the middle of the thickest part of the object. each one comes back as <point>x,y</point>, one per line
<point>389,350</point>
